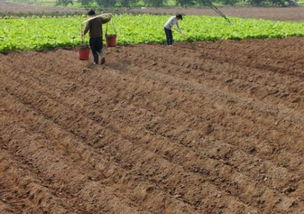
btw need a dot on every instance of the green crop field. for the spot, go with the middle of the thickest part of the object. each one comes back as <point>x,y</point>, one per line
<point>46,33</point>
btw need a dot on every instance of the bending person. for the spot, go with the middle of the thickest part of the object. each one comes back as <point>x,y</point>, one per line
<point>173,20</point>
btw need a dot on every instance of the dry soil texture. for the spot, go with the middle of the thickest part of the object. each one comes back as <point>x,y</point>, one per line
<point>291,14</point>
<point>11,8</point>
<point>207,127</point>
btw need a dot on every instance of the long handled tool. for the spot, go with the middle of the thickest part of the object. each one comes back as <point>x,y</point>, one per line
<point>213,7</point>
<point>101,15</point>
<point>180,32</point>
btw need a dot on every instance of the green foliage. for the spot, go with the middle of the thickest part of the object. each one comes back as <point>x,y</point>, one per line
<point>47,33</point>
<point>185,2</point>
<point>229,2</point>
<point>64,2</point>
<point>106,3</point>
<point>85,2</point>
<point>280,3</point>
<point>127,3</point>
<point>154,3</point>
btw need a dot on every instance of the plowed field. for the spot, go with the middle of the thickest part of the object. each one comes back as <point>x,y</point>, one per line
<point>10,8</point>
<point>206,127</point>
<point>272,13</point>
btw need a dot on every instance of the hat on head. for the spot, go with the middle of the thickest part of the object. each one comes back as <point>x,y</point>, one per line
<point>91,12</point>
<point>179,16</point>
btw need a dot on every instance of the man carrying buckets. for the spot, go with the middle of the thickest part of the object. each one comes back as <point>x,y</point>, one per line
<point>94,27</point>
<point>173,20</point>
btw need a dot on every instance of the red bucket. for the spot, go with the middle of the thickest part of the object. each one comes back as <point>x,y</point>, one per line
<point>111,40</point>
<point>84,53</point>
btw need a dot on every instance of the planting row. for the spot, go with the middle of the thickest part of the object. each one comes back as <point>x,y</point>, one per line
<point>48,33</point>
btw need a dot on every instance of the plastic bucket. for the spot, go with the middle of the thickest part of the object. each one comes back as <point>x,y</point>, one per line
<point>111,40</point>
<point>84,53</point>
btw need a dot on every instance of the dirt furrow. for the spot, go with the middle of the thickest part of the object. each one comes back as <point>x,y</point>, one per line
<point>206,127</point>
<point>281,113</point>
<point>22,189</point>
<point>259,67</point>
<point>276,54</point>
<point>6,208</point>
<point>34,149</point>
<point>230,76</point>
<point>89,136</point>
<point>274,123</point>
<point>224,153</point>
<point>141,189</point>
<point>114,174</point>
<point>237,157</point>
<point>128,119</point>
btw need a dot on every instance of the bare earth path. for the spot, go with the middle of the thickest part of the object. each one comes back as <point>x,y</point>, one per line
<point>206,127</point>
<point>7,7</point>
<point>282,14</point>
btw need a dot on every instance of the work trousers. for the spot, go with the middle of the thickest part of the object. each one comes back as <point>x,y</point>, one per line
<point>169,36</point>
<point>96,47</point>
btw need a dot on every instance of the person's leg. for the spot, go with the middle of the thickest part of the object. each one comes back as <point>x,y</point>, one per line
<point>170,37</point>
<point>99,46</point>
<point>94,49</point>
<point>167,35</point>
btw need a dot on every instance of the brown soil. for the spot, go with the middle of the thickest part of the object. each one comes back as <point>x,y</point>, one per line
<point>291,14</point>
<point>23,8</point>
<point>206,127</point>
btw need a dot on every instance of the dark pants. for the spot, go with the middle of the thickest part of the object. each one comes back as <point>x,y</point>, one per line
<point>169,36</point>
<point>96,47</point>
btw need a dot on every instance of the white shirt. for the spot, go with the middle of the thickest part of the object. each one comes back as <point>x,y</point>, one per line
<point>172,21</point>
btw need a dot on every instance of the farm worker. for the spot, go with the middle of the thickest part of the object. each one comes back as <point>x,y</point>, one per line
<point>173,20</point>
<point>94,27</point>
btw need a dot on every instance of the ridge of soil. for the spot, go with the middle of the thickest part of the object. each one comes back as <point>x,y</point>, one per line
<point>204,127</point>
<point>271,13</point>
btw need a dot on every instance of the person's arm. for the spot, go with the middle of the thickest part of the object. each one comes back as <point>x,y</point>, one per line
<point>178,27</point>
<point>87,28</point>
